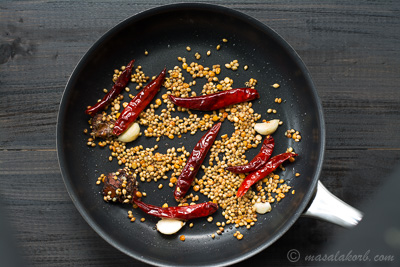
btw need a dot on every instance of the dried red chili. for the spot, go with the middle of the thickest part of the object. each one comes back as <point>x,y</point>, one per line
<point>194,161</point>
<point>117,88</point>
<point>269,167</point>
<point>179,212</point>
<point>216,101</point>
<point>138,104</point>
<point>259,160</point>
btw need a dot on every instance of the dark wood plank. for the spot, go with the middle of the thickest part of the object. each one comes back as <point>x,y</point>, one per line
<point>350,59</point>
<point>51,232</point>
<point>352,50</point>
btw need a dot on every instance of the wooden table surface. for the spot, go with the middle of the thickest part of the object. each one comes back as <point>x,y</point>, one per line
<point>352,49</point>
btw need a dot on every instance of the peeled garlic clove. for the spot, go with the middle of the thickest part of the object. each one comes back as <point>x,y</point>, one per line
<point>262,207</point>
<point>266,128</point>
<point>130,134</point>
<point>169,226</point>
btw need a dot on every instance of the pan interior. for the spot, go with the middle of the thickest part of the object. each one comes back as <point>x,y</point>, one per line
<point>165,33</point>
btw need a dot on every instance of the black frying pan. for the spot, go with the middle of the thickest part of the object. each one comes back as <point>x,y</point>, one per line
<point>165,32</point>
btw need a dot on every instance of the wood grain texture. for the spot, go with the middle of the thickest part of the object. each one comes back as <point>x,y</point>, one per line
<point>352,49</point>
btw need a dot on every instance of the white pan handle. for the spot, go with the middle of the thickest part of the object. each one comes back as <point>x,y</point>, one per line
<point>328,207</point>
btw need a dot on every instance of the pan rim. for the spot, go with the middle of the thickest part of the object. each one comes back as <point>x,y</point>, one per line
<point>173,7</point>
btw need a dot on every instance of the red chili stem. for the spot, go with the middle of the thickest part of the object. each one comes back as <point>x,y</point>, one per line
<point>179,212</point>
<point>216,101</point>
<point>194,161</point>
<point>117,88</point>
<point>269,167</point>
<point>138,104</point>
<point>259,160</point>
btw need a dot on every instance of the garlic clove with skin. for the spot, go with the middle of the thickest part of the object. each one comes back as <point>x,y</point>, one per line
<point>266,128</point>
<point>130,134</point>
<point>168,226</point>
<point>262,207</point>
